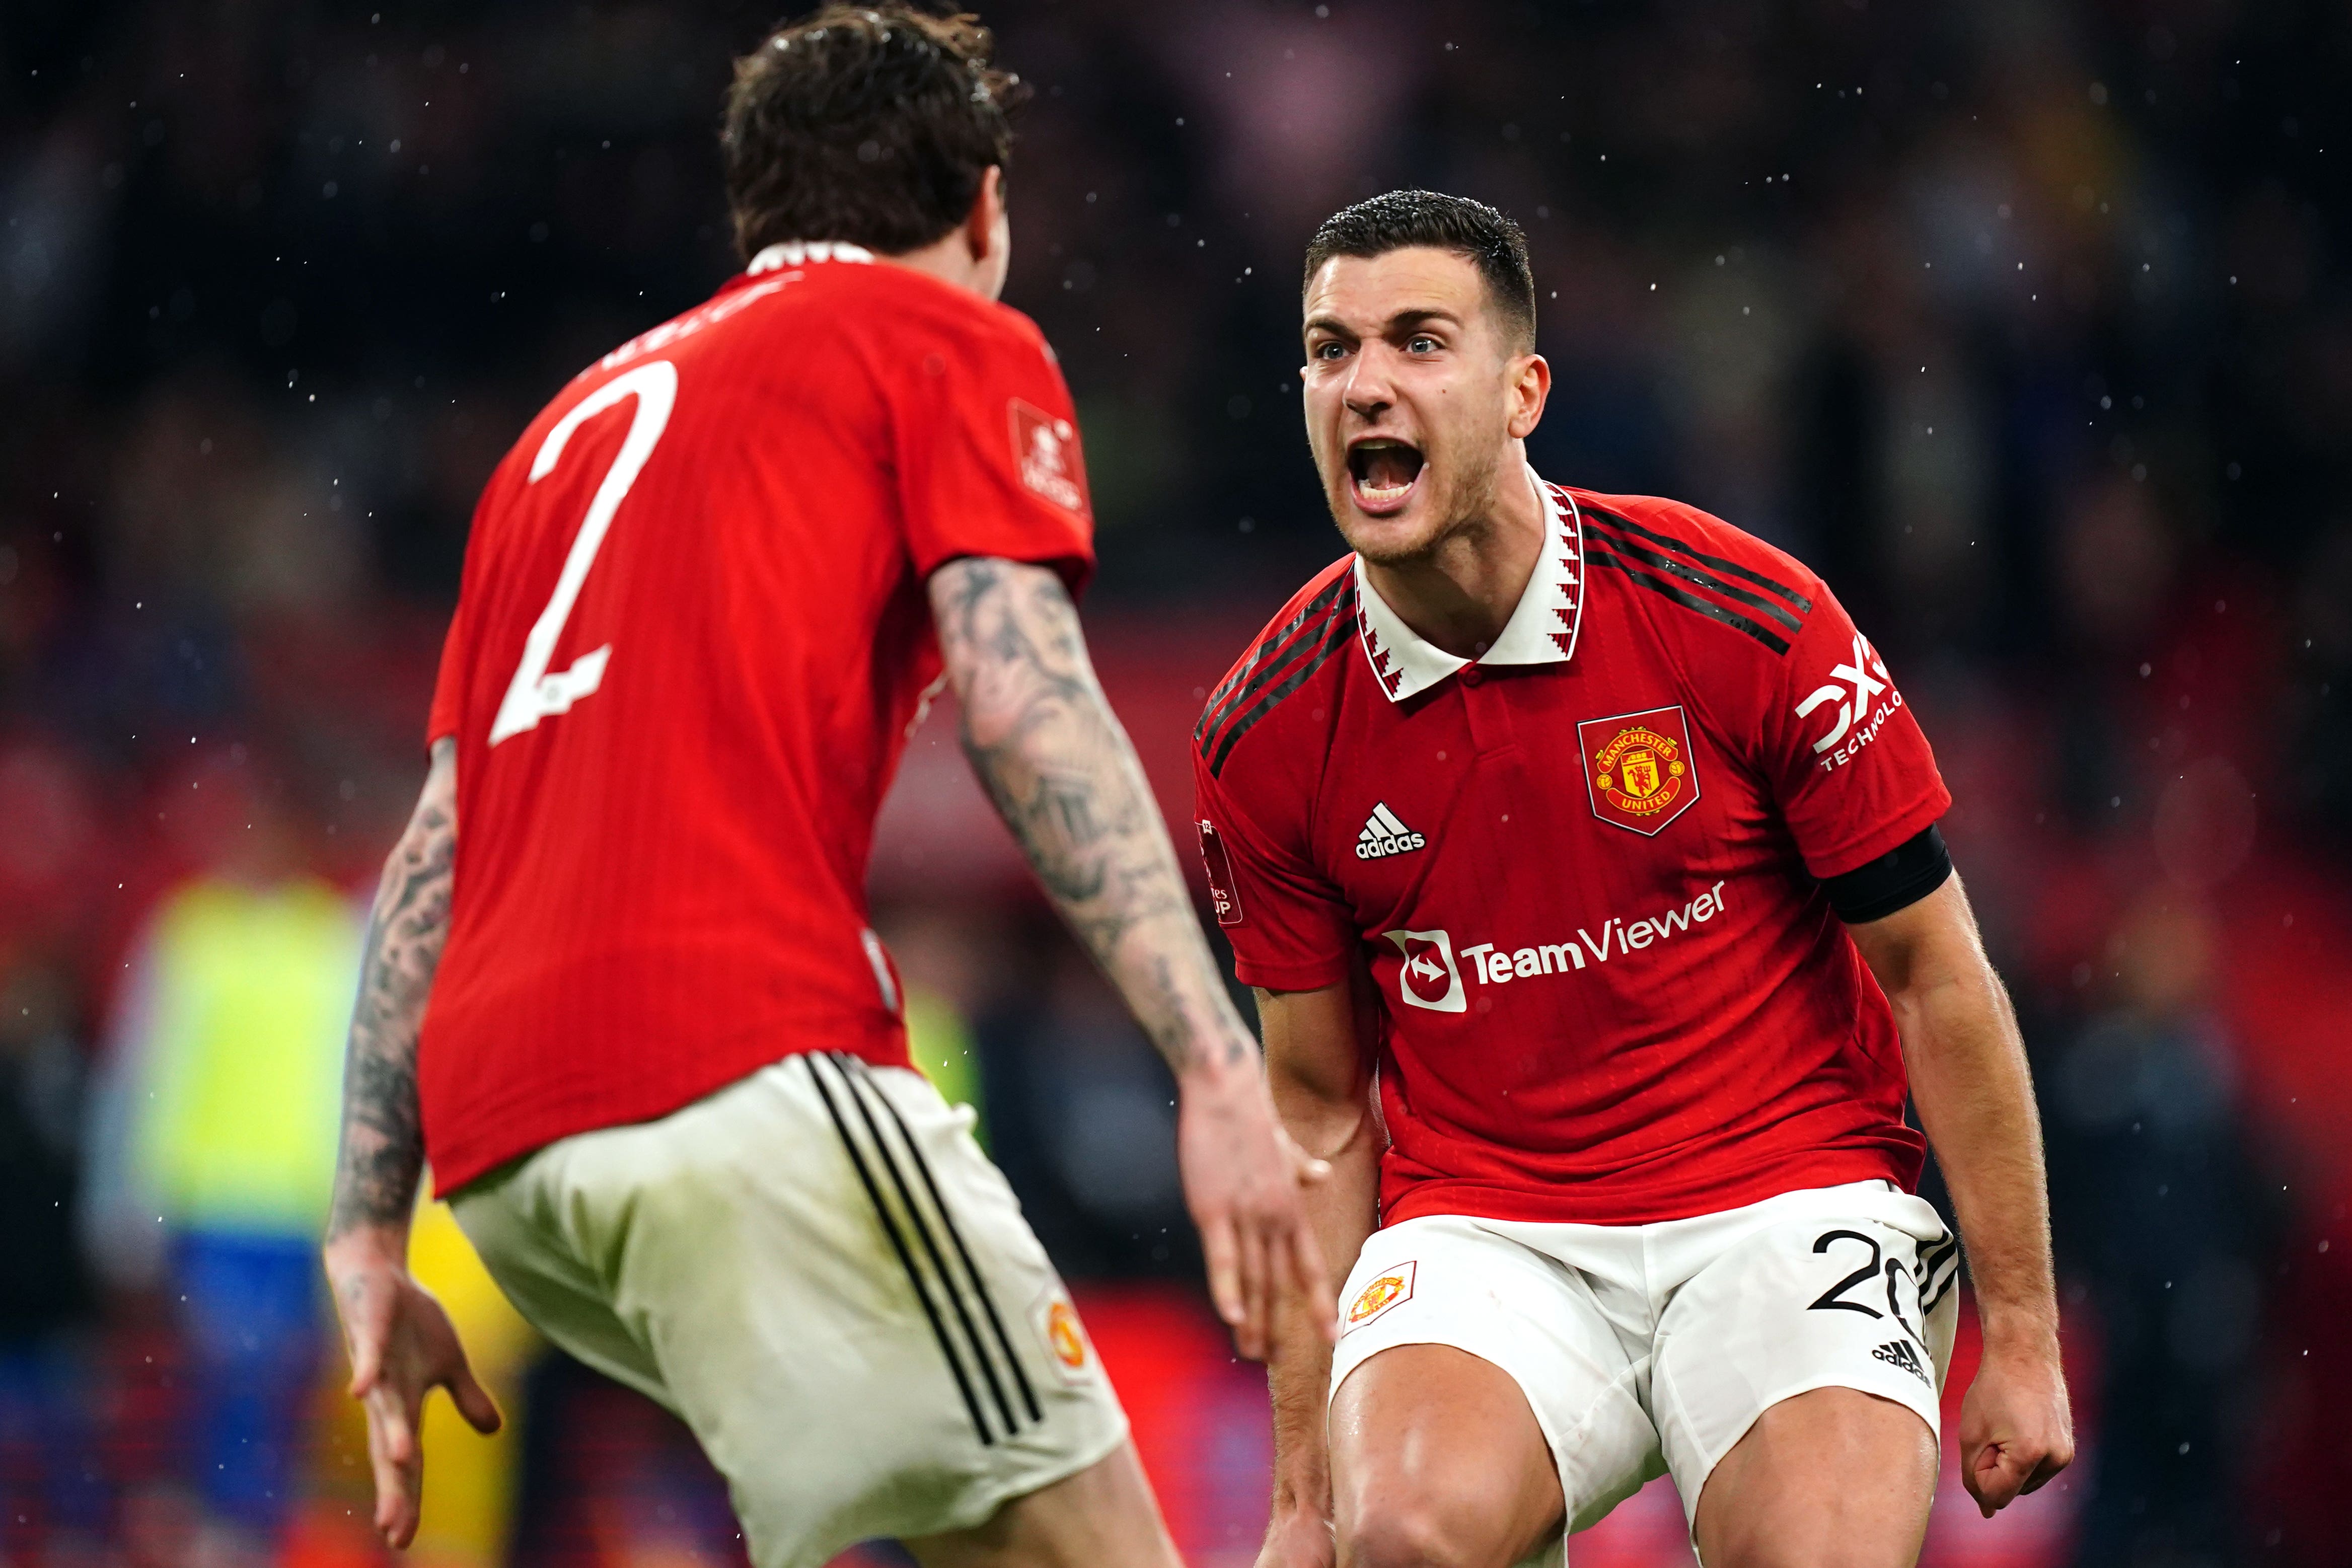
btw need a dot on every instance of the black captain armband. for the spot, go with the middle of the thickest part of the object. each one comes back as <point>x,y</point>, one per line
<point>1895,879</point>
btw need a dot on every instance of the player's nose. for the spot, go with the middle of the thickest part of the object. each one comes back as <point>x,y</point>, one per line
<point>1370,388</point>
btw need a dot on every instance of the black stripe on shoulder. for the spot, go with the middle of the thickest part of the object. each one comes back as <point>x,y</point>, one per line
<point>1804,606</point>
<point>1688,600</point>
<point>1267,659</point>
<point>1691,574</point>
<point>1343,628</point>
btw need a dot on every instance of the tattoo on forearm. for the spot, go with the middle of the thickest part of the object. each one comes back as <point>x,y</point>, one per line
<point>382,1149</point>
<point>1067,781</point>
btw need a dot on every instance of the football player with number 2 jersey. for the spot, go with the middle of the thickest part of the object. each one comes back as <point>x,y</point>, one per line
<point>1584,858</point>
<point>621,987</point>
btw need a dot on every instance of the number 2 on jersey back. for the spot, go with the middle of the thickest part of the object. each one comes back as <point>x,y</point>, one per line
<point>533,693</point>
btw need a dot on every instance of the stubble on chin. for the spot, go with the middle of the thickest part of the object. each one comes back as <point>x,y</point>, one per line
<point>1394,552</point>
<point>1449,510</point>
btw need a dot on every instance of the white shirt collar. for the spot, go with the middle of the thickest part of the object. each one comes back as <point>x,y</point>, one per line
<point>795,252</point>
<point>1542,629</point>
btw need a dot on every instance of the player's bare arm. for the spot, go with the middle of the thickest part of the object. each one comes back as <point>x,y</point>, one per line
<point>382,1149</point>
<point>1319,1068</point>
<point>1060,768</point>
<point>1970,1081</point>
<point>402,1345</point>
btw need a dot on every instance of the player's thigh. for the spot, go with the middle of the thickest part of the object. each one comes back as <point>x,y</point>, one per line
<point>1102,1517</point>
<point>850,1313</point>
<point>1480,1400</point>
<point>1437,1458</point>
<point>1822,1300</point>
<point>1830,1479</point>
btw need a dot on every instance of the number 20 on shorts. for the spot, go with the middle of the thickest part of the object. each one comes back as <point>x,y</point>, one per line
<point>533,693</point>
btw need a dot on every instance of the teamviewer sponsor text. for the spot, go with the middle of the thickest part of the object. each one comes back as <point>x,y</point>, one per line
<point>1493,964</point>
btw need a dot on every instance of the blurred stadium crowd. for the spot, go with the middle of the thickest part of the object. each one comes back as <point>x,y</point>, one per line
<point>2030,325</point>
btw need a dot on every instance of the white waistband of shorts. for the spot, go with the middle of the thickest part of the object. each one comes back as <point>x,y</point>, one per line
<point>1876,1198</point>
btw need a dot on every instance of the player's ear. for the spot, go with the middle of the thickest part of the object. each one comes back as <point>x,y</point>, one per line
<point>985,227</point>
<point>1530,385</point>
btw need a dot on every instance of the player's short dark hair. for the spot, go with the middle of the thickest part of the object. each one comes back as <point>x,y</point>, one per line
<point>872,124</point>
<point>1472,230</point>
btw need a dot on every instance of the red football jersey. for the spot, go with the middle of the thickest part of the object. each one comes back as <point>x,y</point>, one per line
<point>1585,870</point>
<point>690,643</point>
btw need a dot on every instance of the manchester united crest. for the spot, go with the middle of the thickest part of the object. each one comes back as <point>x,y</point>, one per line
<point>1062,1333</point>
<point>1382,1294</point>
<point>1065,1336</point>
<point>1638,767</point>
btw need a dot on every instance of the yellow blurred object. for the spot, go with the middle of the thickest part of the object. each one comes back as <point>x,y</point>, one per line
<point>939,1041</point>
<point>251,991</point>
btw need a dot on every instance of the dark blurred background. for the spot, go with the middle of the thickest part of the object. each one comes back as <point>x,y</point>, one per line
<point>2029,325</point>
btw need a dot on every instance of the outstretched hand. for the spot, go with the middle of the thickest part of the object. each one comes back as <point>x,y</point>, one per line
<point>2016,1430</point>
<point>1242,1176</point>
<point>402,1347</point>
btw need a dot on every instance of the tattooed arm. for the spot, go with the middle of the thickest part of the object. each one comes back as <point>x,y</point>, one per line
<point>1057,764</point>
<point>382,1150</point>
<point>402,1345</point>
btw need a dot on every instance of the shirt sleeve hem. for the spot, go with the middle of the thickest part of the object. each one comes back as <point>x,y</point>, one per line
<point>1075,568</point>
<point>1311,976</point>
<point>1890,833</point>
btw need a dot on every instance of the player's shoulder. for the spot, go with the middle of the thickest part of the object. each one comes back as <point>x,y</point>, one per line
<point>1283,660</point>
<point>1688,568</point>
<point>835,297</point>
<point>902,304</point>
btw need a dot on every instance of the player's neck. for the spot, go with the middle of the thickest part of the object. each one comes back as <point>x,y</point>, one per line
<point>1461,595</point>
<point>950,259</point>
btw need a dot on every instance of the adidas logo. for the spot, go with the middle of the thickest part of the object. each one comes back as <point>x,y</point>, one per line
<point>1898,1353</point>
<point>1384,835</point>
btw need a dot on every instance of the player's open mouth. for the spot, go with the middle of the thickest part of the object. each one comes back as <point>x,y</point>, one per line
<point>1382,472</point>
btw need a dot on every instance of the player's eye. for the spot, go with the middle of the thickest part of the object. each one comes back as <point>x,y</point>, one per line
<point>1421,343</point>
<point>1328,348</point>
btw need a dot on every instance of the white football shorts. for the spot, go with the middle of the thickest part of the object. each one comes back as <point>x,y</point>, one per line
<point>820,1272</point>
<point>1650,1349</point>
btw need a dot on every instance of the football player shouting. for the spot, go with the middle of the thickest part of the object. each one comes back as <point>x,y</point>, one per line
<point>1584,858</point>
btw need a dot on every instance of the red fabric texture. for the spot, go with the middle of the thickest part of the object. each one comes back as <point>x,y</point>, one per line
<point>1737,1045</point>
<point>661,888</point>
